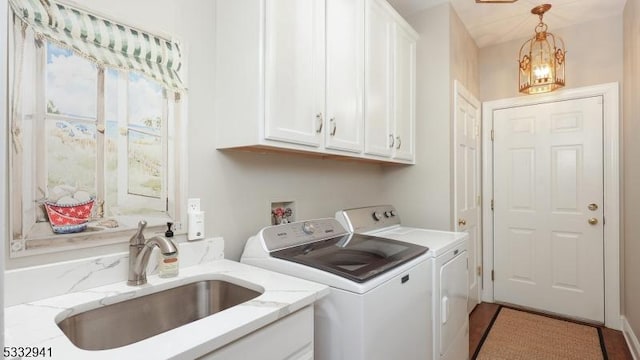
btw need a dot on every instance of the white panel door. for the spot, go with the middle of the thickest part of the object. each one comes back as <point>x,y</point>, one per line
<point>467,183</point>
<point>379,136</point>
<point>404,94</point>
<point>548,196</point>
<point>294,71</point>
<point>345,75</point>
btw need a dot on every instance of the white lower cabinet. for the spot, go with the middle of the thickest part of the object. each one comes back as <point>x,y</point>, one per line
<point>290,338</point>
<point>290,74</point>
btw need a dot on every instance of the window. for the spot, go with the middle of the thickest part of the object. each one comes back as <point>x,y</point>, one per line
<point>132,138</point>
<point>93,142</point>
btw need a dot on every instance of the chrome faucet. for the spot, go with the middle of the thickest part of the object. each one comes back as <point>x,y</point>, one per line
<point>140,250</point>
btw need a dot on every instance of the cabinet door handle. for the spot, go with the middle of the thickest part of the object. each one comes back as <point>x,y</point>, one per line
<point>399,142</point>
<point>319,119</point>
<point>392,140</point>
<point>335,126</point>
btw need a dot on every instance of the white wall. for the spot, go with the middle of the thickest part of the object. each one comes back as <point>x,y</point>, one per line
<point>445,52</point>
<point>463,56</point>
<point>235,188</point>
<point>631,165</point>
<point>594,56</point>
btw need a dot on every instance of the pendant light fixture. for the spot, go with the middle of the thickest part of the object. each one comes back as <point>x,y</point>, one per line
<point>541,59</point>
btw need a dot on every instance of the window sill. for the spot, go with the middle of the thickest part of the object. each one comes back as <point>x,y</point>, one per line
<point>42,240</point>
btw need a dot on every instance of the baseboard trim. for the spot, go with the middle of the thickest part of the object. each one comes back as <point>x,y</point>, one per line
<point>632,339</point>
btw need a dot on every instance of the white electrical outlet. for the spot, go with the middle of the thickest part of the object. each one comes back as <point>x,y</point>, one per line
<point>193,205</point>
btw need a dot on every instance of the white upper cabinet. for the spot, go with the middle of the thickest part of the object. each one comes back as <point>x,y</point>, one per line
<point>290,74</point>
<point>404,93</point>
<point>345,75</point>
<point>389,83</point>
<point>294,71</point>
<point>379,133</point>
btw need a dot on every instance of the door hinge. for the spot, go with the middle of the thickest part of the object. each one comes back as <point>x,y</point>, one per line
<point>492,275</point>
<point>479,270</point>
<point>604,220</point>
<point>479,201</point>
<point>491,204</point>
<point>492,134</point>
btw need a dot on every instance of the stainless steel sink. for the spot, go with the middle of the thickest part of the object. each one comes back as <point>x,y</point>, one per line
<point>136,319</point>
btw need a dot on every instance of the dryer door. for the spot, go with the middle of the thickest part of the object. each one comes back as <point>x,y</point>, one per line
<point>454,292</point>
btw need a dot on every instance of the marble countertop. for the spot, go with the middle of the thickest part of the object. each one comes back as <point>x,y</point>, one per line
<point>34,323</point>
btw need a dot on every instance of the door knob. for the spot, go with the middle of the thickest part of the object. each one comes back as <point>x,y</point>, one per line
<point>462,222</point>
<point>593,221</point>
<point>593,207</point>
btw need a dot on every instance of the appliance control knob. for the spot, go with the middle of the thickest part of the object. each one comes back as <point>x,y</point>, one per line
<point>392,212</point>
<point>377,216</point>
<point>387,214</point>
<point>308,228</point>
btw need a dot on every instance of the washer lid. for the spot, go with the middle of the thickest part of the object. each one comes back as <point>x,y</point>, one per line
<point>356,257</point>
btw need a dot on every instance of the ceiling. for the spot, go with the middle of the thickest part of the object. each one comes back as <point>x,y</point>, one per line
<point>491,24</point>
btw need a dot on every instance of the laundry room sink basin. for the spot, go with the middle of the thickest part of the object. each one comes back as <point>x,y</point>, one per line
<point>136,319</point>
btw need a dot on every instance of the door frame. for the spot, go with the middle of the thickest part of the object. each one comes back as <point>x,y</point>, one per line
<point>611,206</point>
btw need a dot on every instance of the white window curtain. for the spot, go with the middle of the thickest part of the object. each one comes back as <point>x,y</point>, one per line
<point>106,42</point>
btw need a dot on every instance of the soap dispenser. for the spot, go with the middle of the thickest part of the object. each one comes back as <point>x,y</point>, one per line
<point>168,264</point>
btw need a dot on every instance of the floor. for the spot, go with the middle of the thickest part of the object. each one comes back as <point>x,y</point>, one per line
<point>483,313</point>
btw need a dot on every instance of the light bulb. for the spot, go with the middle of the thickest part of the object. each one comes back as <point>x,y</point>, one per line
<point>541,72</point>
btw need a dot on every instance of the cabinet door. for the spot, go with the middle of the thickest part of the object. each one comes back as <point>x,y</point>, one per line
<point>345,75</point>
<point>288,338</point>
<point>404,94</point>
<point>294,71</point>
<point>379,135</point>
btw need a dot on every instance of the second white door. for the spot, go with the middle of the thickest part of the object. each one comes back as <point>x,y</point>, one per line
<point>548,198</point>
<point>467,184</point>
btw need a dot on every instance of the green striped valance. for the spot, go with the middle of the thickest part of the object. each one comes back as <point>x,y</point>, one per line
<point>104,41</point>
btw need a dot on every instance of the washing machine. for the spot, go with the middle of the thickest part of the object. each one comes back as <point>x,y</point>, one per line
<point>450,272</point>
<point>378,288</point>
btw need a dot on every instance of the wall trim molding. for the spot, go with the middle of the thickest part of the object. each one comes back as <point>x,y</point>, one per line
<point>611,167</point>
<point>632,339</point>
